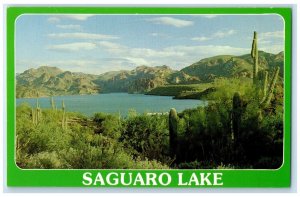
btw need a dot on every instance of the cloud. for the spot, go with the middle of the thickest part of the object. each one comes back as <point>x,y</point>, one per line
<point>222,34</point>
<point>201,38</point>
<point>272,48</point>
<point>154,34</point>
<point>274,34</point>
<point>136,61</point>
<point>208,16</point>
<point>74,65</point>
<point>120,57</point>
<point>171,21</point>
<point>73,27</point>
<point>79,17</point>
<point>82,36</point>
<point>219,34</point>
<point>175,56</point>
<point>71,47</point>
<point>53,20</point>
<point>56,18</point>
<point>272,42</point>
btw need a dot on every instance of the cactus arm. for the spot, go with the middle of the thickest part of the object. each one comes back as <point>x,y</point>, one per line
<point>236,116</point>
<point>52,103</point>
<point>173,124</point>
<point>33,116</point>
<point>64,118</point>
<point>254,55</point>
<point>63,105</point>
<point>270,91</point>
<point>265,83</point>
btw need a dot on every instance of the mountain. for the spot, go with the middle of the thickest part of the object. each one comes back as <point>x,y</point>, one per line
<point>47,81</point>
<point>50,81</point>
<point>141,79</point>
<point>206,70</point>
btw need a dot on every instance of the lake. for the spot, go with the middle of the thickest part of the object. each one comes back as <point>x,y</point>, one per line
<point>116,103</point>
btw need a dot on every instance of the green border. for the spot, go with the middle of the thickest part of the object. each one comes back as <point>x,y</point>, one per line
<point>73,178</point>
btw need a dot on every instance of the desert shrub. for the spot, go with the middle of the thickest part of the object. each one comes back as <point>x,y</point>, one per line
<point>44,160</point>
<point>146,136</point>
<point>107,124</point>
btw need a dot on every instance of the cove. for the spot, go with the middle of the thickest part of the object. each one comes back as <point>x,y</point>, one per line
<point>115,103</point>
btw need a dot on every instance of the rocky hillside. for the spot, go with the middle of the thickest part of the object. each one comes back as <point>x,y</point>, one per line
<point>47,81</point>
<point>139,80</point>
<point>206,70</point>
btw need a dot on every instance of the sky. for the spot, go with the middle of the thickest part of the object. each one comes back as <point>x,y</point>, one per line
<point>97,44</point>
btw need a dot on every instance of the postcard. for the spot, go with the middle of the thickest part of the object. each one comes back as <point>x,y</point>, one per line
<point>148,97</point>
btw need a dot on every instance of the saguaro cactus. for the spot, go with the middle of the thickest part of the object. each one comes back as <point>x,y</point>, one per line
<point>254,55</point>
<point>64,118</point>
<point>36,113</point>
<point>269,93</point>
<point>38,110</point>
<point>265,83</point>
<point>63,107</point>
<point>33,116</point>
<point>237,110</point>
<point>52,102</point>
<point>262,83</point>
<point>173,125</point>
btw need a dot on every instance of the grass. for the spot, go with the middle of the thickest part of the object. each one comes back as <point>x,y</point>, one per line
<point>174,90</point>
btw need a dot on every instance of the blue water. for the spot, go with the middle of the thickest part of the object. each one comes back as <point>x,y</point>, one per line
<point>116,103</point>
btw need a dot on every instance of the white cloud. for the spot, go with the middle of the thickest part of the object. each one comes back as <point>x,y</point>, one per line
<point>70,26</point>
<point>159,35</point>
<point>137,61</point>
<point>222,34</point>
<point>154,34</point>
<point>272,42</point>
<point>219,34</point>
<point>82,36</point>
<point>201,38</point>
<point>112,47</point>
<point>79,17</point>
<point>121,57</point>
<point>171,21</point>
<point>68,63</point>
<point>53,20</point>
<point>208,16</point>
<point>56,18</point>
<point>74,65</point>
<point>176,56</point>
<point>274,48</point>
<point>274,34</point>
<point>70,47</point>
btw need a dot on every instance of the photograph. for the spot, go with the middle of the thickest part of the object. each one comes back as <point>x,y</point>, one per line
<point>149,91</point>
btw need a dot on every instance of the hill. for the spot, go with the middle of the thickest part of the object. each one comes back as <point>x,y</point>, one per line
<point>139,80</point>
<point>49,81</point>
<point>206,70</point>
<point>159,80</point>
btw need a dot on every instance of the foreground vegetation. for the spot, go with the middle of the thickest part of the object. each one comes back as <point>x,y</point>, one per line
<point>204,138</point>
<point>241,127</point>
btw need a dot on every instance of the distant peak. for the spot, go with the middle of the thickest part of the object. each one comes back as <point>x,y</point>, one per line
<point>164,67</point>
<point>49,68</point>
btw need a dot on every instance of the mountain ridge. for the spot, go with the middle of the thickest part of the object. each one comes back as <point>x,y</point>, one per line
<point>52,81</point>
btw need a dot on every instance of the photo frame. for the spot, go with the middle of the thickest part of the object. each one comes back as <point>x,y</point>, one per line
<point>126,177</point>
